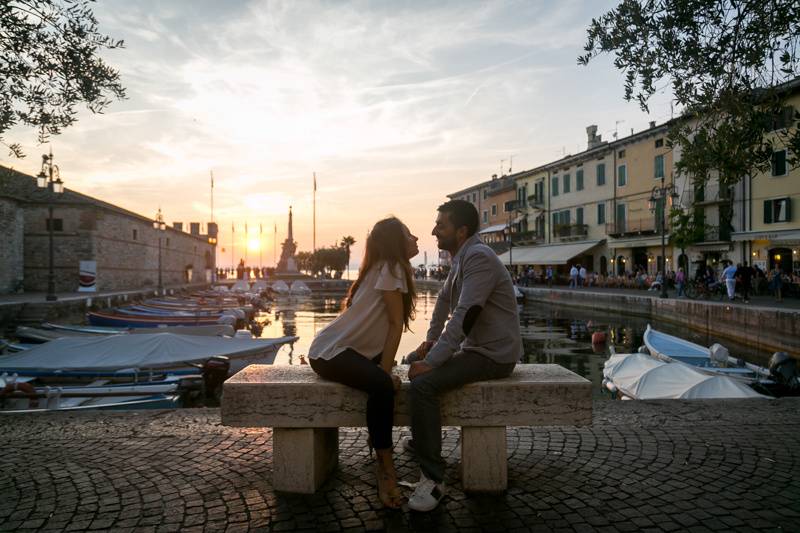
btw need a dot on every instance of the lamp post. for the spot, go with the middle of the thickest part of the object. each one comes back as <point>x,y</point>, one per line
<point>512,210</point>
<point>55,186</point>
<point>659,195</point>
<point>159,226</point>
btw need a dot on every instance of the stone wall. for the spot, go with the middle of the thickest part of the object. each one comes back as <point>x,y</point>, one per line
<point>124,246</point>
<point>764,328</point>
<point>11,251</point>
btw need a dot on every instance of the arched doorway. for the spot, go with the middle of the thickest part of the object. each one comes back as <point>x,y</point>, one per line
<point>603,265</point>
<point>781,258</point>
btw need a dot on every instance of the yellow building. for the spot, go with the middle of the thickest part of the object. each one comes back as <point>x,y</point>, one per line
<point>766,222</point>
<point>640,163</point>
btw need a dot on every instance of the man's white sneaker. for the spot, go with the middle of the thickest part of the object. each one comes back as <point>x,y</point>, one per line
<point>426,496</point>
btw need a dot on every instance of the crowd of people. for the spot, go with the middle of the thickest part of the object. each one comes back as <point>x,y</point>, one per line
<point>734,279</point>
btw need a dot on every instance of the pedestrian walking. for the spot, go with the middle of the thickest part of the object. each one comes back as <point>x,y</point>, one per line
<point>744,275</point>
<point>729,276</point>
<point>573,277</point>
<point>680,281</point>
<point>582,276</point>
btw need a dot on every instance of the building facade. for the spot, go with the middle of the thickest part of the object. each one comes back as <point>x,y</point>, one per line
<point>124,245</point>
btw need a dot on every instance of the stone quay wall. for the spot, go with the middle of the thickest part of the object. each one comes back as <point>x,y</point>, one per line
<point>11,260</point>
<point>764,328</point>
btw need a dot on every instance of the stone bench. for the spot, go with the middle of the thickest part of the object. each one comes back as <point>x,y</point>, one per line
<point>306,411</point>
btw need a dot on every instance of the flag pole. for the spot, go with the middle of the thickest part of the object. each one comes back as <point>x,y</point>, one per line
<point>314,223</point>
<point>275,247</point>
<point>260,247</point>
<point>233,243</point>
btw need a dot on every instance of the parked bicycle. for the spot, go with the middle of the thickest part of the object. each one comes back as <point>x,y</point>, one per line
<point>699,290</point>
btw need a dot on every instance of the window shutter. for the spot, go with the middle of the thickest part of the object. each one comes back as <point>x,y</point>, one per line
<point>767,211</point>
<point>788,210</point>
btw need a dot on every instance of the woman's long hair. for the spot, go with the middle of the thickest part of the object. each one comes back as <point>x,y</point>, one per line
<point>386,242</point>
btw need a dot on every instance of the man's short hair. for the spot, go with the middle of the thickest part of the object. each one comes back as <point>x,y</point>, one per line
<point>461,213</point>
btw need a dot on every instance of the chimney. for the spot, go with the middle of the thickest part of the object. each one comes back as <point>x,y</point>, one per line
<point>178,226</point>
<point>652,123</point>
<point>592,137</point>
<point>194,228</point>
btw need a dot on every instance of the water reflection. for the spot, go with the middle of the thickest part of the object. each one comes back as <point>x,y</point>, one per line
<point>551,334</point>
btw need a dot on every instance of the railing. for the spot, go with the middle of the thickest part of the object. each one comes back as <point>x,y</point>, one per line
<point>635,227</point>
<point>567,231</point>
<point>535,201</point>
<point>527,237</point>
<point>716,234</point>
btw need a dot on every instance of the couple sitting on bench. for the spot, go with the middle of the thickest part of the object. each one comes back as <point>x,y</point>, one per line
<point>481,340</point>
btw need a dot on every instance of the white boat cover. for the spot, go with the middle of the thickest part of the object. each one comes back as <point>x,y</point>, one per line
<point>299,287</point>
<point>240,286</point>
<point>155,350</point>
<point>259,285</point>
<point>280,287</point>
<point>645,378</point>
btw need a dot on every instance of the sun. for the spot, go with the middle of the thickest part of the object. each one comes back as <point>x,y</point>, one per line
<point>254,244</point>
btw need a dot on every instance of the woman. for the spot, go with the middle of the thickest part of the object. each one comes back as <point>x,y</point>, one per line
<point>358,348</point>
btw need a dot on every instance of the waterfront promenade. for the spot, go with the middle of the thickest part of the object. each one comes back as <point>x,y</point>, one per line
<point>641,466</point>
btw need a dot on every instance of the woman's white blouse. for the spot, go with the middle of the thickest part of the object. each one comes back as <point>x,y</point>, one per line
<point>364,325</point>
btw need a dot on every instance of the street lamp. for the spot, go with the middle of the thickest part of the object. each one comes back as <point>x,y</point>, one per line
<point>159,226</point>
<point>512,208</point>
<point>45,180</point>
<point>659,195</point>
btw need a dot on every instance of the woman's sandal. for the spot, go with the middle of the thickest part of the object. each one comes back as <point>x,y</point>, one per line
<point>390,498</point>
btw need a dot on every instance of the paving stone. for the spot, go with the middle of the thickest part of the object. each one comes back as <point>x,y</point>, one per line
<point>640,466</point>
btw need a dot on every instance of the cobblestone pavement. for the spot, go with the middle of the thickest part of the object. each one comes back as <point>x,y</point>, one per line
<point>660,466</point>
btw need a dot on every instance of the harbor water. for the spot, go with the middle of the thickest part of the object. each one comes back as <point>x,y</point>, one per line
<point>551,334</point>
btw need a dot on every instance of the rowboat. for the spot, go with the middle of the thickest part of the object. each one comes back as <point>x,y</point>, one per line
<point>639,376</point>
<point>153,351</point>
<point>122,320</point>
<point>713,361</point>
<point>24,394</point>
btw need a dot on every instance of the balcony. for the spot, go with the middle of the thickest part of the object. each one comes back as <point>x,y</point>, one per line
<point>717,234</point>
<point>536,201</point>
<point>570,231</point>
<point>527,237</point>
<point>723,196</point>
<point>642,226</point>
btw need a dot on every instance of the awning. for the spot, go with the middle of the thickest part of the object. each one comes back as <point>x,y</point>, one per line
<point>552,254</point>
<point>493,229</point>
<point>779,235</point>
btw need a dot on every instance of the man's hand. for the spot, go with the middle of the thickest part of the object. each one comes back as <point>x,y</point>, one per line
<point>418,368</point>
<point>423,349</point>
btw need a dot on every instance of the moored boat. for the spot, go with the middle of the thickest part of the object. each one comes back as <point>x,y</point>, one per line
<point>714,360</point>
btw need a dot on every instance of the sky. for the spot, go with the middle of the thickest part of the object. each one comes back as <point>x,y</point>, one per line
<point>392,104</point>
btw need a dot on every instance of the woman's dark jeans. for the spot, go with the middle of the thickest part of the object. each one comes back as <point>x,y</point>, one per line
<point>354,370</point>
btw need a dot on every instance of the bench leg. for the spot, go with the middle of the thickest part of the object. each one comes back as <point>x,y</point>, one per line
<point>303,458</point>
<point>484,459</point>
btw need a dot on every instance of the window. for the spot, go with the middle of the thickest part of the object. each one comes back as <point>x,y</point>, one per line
<point>167,243</point>
<point>621,154</point>
<point>622,176</point>
<point>779,163</point>
<point>554,186</point>
<point>659,143</point>
<point>484,194</point>
<point>579,180</point>
<point>494,210</point>
<point>620,218</point>
<point>135,234</point>
<point>58,224</point>
<point>485,216</point>
<point>779,210</point>
<point>474,198</point>
<point>567,183</point>
<point>783,119</point>
<point>659,167</point>
<point>579,216</point>
<point>601,174</point>
<point>601,213</point>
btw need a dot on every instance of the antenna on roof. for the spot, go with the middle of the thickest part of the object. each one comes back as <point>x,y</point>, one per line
<point>617,123</point>
<point>501,167</point>
<point>511,163</point>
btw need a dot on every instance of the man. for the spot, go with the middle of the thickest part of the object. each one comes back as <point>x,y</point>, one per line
<point>582,276</point>
<point>548,274</point>
<point>744,275</point>
<point>729,276</point>
<point>573,277</point>
<point>481,340</point>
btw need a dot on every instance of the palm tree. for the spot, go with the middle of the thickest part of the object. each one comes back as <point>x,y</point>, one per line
<point>346,243</point>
